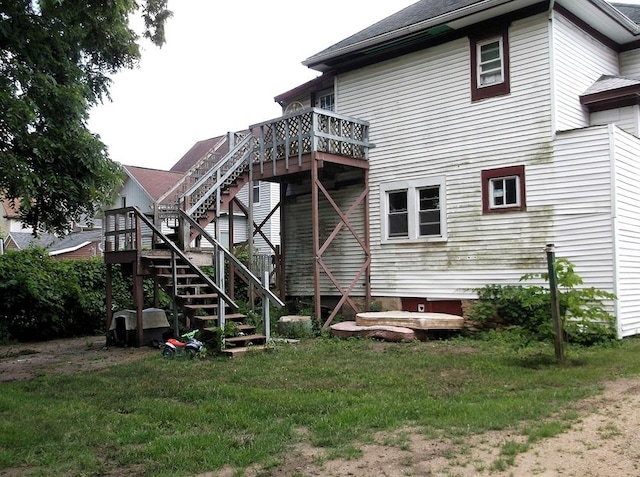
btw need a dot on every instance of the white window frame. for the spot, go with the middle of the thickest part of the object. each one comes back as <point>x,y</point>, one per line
<point>492,193</point>
<point>321,97</point>
<point>256,185</point>
<point>481,74</point>
<point>413,209</point>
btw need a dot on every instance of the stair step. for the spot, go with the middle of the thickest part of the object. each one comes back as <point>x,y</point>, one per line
<point>179,275</point>
<point>255,338</point>
<point>188,285</point>
<point>250,329</point>
<point>234,316</point>
<point>198,296</point>
<point>202,306</point>
<point>228,317</point>
<point>168,265</point>
<point>239,351</point>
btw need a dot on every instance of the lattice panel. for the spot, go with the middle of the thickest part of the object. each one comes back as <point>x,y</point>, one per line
<point>295,135</point>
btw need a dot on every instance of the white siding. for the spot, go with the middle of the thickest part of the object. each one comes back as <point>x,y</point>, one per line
<point>630,63</point>
<point>424,126</point>
<point>626,118</point>
<point>627,224</point>
<point>344,257</point>
<point>269,198</point>
<point>579,60</point>
<point>135,196</point>
<point>578,190</point>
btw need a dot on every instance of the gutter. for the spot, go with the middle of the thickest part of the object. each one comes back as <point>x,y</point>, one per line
<point>67,250</point>
<point>617,16</point>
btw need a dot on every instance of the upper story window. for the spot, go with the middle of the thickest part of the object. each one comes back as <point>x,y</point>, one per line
<point>503,190</point>
<point>490,66</point>
<point>326,101</point>
<point>413,210</point>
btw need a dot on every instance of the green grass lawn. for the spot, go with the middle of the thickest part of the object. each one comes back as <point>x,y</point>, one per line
<point>180,417</point>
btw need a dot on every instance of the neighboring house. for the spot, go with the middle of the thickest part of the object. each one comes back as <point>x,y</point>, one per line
<point>153,189</point>
<point>10,218</point>
<point>76,245</point>
<point>499,127</point>
<point>83,242</point>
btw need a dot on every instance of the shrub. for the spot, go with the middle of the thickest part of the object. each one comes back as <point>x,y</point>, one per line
<point>44,298</point>
<point>585,319</point>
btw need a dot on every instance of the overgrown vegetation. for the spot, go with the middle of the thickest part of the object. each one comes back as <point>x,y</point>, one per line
<point>43,298</point>
<point>187,417</point>
<point>527,308</point>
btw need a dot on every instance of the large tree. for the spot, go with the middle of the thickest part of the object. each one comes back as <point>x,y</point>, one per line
<point>55,58</point>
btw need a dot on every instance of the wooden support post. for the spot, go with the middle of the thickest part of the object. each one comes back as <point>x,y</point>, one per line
<point>108,288</point>
<point>555,305</point>
<point>138,291</point>
<point>367,241</point>
<point>174,283</point>
<point>280,251</point>
<point>316,236</point>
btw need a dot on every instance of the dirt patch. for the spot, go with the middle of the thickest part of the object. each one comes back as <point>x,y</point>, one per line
<point>604,441</point>
<point>27,360</point>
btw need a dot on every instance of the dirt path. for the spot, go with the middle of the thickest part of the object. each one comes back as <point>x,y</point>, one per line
<point>604,442</point>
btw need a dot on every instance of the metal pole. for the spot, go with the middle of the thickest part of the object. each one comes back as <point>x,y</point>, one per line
<point>221,303</point>
<point>266,306</point>
<point>555,305</point>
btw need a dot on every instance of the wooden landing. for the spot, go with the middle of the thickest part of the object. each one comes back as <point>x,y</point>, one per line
<point>411,319</point>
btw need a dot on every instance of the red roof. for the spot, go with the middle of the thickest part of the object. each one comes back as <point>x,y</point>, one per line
<point>11,212</point>
<point>154,181</point>
<point>198,151</point>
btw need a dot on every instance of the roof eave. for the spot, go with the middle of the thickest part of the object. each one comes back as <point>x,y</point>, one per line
<point>627,30</point>
<point>317,62</point>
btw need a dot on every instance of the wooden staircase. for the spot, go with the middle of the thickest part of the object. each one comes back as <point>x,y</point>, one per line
<point>200,303</point>
<point>300,142</point>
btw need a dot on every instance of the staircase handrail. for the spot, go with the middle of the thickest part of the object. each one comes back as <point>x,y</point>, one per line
<point>225,161</point>
<point>192,169</point>
<point>245,271</point>
<point>228,300</point>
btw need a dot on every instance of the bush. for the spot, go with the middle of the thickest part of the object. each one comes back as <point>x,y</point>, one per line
<point>585,319</point>
<point>44,298</point>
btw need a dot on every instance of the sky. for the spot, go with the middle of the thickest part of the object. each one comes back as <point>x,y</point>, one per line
<point>219,71</point>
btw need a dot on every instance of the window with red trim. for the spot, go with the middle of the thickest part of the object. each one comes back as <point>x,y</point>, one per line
<point>503,190</point>
<point>490,66</point>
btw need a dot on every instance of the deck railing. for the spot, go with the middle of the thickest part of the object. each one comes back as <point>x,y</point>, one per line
<point>287,138</point>
<point>310,130</point>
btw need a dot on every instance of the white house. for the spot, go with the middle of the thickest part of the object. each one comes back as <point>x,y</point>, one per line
<point>499,126</point>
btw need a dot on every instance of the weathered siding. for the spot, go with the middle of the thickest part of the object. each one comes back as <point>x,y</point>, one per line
<point>578,190</point>
<point>424,125</point>
<point>627,227</point>
<point>626,118</point>
<point>578,60</point>
<point>630,63</point>
<point>344,257</point>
